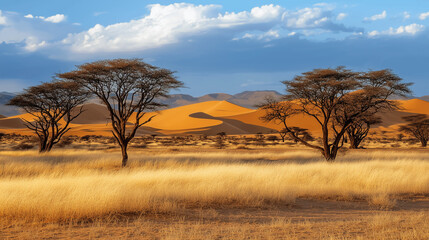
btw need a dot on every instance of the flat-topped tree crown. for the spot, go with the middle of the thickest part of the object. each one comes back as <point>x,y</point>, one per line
<point>338,99</point>
<point>128,88</point>
<point>49,103</point>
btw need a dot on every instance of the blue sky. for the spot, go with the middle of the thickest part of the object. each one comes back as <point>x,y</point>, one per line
<point>215,46</point>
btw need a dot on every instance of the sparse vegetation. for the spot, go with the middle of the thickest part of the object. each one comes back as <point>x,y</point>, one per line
<point>129,88</point>
<point>330,97</point>
<point>52,107</point>
<point>418,127</point>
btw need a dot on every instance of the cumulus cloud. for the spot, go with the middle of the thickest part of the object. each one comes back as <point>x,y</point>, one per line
<point>406,15</point>
<point>166,25</point>
<point>2,19</point>
<point>57,18</point>
<point>266,36</point>
<point>341,16</point>
<point>411,29</point>
<point>305,18</point>
<point>32,44</point>
<point>169,24</point>
<point>376,17</point>
<point>28,34</point>
<point>424,15</point>
<point>315,18</point>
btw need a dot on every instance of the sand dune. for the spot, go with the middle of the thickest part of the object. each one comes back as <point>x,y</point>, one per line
<point>179,119</point>
<point>414,106</point>
<point>302,121</point>
<point>93,114</point>
<point>208,118</point>
<point>11,123</point>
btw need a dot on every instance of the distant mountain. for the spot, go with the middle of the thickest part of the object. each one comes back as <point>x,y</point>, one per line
<point>425,98</point>
<point>246,99</point>
<point>5,97</point>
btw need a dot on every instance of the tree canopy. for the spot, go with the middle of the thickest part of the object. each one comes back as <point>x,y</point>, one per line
<point>129,88</point>
<point>336,99</point>
<point>49,103</point>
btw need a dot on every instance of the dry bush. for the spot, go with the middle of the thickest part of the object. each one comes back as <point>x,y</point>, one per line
<point>25,145</point>
<point>382,201</point>
<point>65,141</point>
<point>242,147</point>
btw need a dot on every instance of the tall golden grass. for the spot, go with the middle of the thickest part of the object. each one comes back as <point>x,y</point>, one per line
<point>76,185</point>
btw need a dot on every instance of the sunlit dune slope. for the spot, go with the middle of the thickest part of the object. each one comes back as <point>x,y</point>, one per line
<point>179,119</point>
<point>208,118</point>
<point>300,120</point>
<point>414,106</point>
<point>391,120</point>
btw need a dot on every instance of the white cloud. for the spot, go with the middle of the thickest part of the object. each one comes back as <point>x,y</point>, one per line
<point>169,24</point>
<point>31,35</point>
<point>341,16</point>
<point>57,18</point>
<point>32,44</point>
<point>2,19</point>
<point>376,17</point>
<point>411,29</point>
<point>96,14</point>
<point>424,15</point>
<point>267,36</point>
<point>406,15</point>
<point>305,18</point>
<point>166,25</point>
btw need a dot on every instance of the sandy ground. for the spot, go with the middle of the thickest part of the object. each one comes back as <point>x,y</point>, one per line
<point>306,219</point>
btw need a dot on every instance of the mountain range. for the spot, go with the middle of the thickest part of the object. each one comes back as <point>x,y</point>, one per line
<point>246,99</point>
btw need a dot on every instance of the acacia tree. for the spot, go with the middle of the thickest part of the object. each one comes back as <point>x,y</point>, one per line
<point>277,112</point>
<point>49,104</point>
<point>418,126</point>
<point>128,88</point>
<point>359,129</point>
<point>324,95</point>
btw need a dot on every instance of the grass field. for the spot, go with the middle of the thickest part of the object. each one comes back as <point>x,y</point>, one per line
<point>218,194</point>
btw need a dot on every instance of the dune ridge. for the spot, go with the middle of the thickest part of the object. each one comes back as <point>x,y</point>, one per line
<point>209,118</point>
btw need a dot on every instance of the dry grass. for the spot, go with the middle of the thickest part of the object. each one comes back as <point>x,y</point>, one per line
<point>70,185</point>
<point>406,226</point>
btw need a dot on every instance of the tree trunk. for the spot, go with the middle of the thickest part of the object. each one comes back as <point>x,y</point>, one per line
<point>424,142</point>
<point>354,144</point>
<point>124,154</point>
<point>49,146</point>
<point>42,145</point>
<point>283,136</point>
<point>330,154</point>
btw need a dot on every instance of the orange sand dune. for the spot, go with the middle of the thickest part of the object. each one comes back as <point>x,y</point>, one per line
<point>179,119</point>
<point>93,114</point>
<point>11,123</point>
<point>207,118</point>
<point>301,120</point>
<point>414,106</point>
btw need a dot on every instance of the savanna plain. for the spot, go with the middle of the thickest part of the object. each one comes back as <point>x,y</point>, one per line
<point>281,191</point>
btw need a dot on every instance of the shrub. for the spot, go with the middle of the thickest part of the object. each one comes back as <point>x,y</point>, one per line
<point>23,146</point>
